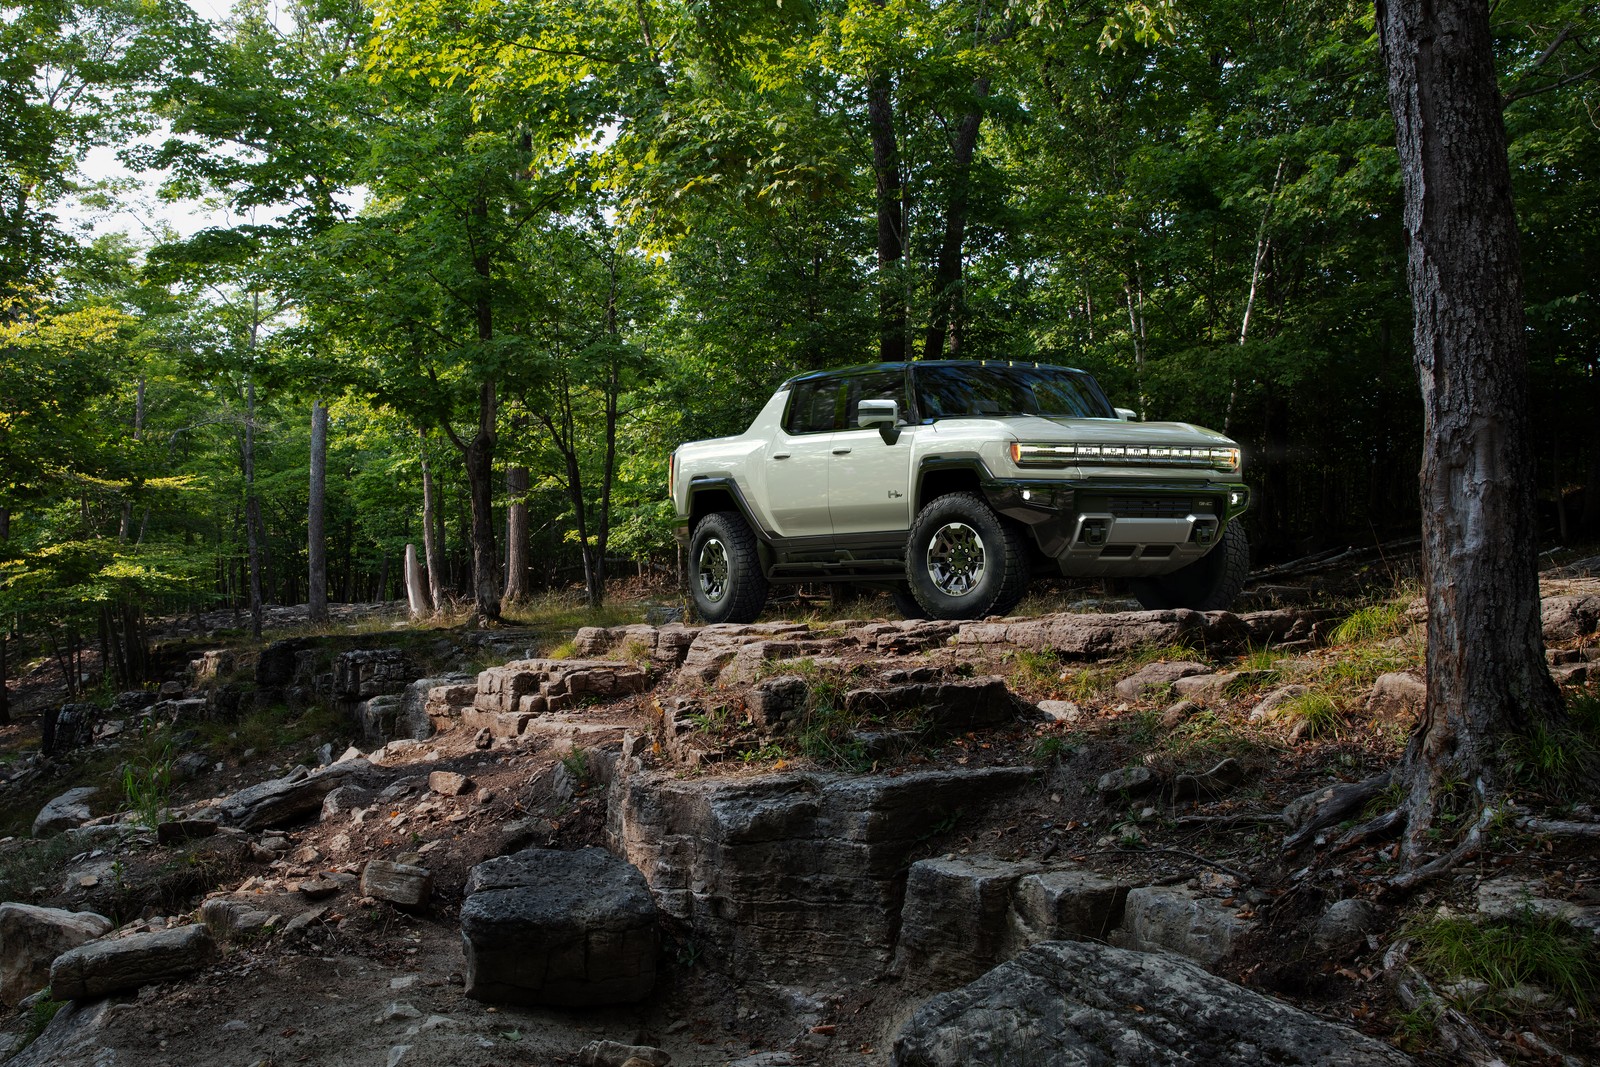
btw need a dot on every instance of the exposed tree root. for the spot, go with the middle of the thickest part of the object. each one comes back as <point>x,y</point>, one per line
<point>1323,808</point>
<point>1469,847</point>
<point>1457,1033</point>
<point>1386,825</point>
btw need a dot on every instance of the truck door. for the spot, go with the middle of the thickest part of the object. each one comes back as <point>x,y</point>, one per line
<point>869,478</point>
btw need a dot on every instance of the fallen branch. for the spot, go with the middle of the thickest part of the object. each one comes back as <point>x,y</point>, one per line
<point>1323,561</point>
<point>1559,827</point>
<point>1225,821</point>
<point>1456,1032</point>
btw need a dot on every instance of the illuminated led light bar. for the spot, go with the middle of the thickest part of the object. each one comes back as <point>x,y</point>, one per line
<point>1045,455</point>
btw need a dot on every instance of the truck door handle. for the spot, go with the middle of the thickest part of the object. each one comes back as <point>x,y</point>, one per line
<point>841,451</point>
<point>780,455</point>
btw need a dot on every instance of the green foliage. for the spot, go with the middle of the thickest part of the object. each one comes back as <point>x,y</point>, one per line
<point>27,863</point>
<point>1317,711</point>
<point>1504,954</point>
<point>576,763</point>
<point>1372,623</point>
<point>147,786</point>
<point>39,1017</point>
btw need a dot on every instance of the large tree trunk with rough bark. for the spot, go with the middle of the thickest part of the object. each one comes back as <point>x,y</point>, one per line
<point>316,534</point>
<point>1487,679</point>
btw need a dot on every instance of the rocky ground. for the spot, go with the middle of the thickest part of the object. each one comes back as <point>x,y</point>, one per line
<point>845,834</point>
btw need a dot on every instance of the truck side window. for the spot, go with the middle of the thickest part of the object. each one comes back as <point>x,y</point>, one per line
<point>813,407</point>
<point>875,385</point>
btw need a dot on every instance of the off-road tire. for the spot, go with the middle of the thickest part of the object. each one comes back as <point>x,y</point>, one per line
<point>906,604</point>
<point>725,579</point>
<point>1210,583</point>
<point>963,561</point>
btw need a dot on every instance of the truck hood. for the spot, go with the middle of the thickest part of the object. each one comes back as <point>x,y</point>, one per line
<point>1035,428</point>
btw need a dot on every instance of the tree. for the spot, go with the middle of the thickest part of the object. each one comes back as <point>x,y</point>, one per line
<point>1488,685</point>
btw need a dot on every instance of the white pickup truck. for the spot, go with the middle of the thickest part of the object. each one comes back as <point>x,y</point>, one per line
<point>949,482</point>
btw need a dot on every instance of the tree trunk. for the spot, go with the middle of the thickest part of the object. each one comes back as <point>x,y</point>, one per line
<point>1487,680</point>
<point>316,534</point>
<point>480,483</point>
<point>948,300</point>
<point>891,219</point>
<point>5,629</point>
<point>432,532</point>
<point>416,588</point>
<point>516,534</point>
<point>252,507</point>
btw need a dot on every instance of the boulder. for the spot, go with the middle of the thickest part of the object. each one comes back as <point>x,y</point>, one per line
<point>1271,705</point>
<point>779,875</point>
<point>111,965</point>
<point>290,798</point>
<point>231,919</point>
<point>30,940</point>
<point>67,727</point>
<point>1565,618</point>
<point>1396,696</point>
<point>64,812</point>
<point>405,885</point>
<point>209,666</point>
<point>1066,904</point>
<point>1093,637</point>
<point>1078,1004</point>
<point>1158,677</point>
<point>1132,781</point>
<point>1346,923</point>
<point>1177,920</point>
<point>957,918</point>
<point>567,929</point>
<point>1060,710</point>
<point>776,701</point>
<point>449,783</point>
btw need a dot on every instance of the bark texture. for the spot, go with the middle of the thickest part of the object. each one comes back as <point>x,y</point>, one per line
<point>316,535</point>
<point>891,219</point>
<point>517,586</point>
<point>432,532</point>
<point>1487,680</point>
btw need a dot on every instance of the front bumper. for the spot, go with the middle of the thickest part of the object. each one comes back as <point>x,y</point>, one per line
<point>1093,527</point>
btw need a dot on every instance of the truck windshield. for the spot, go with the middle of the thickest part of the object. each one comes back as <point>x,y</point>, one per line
<point>977,390</point>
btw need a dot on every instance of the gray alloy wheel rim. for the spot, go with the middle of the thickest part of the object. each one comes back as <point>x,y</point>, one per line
<point>713,570</point>
<point>956,559</point>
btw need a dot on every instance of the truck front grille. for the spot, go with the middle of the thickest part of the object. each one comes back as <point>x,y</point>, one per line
<point>1150,507</point>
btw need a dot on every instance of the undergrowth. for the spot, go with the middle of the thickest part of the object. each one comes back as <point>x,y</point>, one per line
<point>1504,954</point>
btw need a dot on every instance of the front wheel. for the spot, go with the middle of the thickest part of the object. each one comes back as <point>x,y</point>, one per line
<point>725,579</point>
<point>1210,583</point>
<point>963,561</point>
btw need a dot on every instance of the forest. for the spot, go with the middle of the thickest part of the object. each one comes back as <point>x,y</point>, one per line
<point>472,268</point>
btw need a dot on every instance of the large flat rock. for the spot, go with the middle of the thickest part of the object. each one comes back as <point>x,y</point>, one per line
<point>1078,1004</point>
<point>112,965</point>
<point>30,940</point>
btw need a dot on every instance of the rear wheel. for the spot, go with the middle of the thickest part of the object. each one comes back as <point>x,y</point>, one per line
<point>1210,583</point>
<point>963,561</point>
<point>725,579</point>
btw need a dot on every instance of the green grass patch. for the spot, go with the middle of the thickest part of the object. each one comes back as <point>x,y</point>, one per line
<point>1375,622</point>
<point>1503,954</point>
<point>277,726</point>
<point>1316,710</point>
